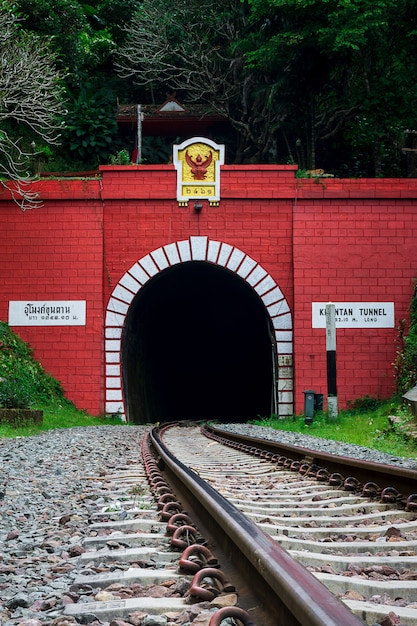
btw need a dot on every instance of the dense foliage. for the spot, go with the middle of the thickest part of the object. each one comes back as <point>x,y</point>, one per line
<point>346,67</point>
<point>23,381</point>
<point>322,83</point>
<point>406,361</point>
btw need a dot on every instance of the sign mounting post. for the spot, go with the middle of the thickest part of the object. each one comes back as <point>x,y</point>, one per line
<point>331,361</point>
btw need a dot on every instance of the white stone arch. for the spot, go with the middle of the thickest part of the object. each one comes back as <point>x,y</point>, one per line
<point>216,253</point>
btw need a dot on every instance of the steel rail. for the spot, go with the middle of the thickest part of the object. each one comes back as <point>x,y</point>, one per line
<point>290,595</point>
<point>402,479</point>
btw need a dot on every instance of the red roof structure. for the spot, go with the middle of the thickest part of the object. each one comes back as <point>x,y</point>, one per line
<point>171,119</point>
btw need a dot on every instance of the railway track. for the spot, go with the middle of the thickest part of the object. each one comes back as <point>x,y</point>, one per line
<point>357,538</point>
<point>157,555</point>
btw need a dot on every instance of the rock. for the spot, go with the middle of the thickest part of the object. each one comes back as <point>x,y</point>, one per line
<point>43,605</point>
<point>136,618</point>
<point>104,596</point>
<point>7,569</point>
<point>155,620</point>
<point>229,599</point>
<point>159,591</point>
<point>87,618</point>
<point>393,532</point>
<point>351,594</point>
<point>203,619</point>
<point>75,551</point>
<point>20,599</point>
<point>390,620</point>
<point>83,588</point>
<point>182,586</point>
<point>66,599</point>
<point>13,534</point>
<point>39,561</point>
<point>172,616</point>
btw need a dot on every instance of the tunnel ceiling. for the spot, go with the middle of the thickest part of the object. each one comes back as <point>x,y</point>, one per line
<point>196,345</point>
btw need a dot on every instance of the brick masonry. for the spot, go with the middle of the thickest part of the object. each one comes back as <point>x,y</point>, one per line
<point>295,241</point>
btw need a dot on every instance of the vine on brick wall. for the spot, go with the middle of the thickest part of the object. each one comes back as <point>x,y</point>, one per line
<point>406,361</point>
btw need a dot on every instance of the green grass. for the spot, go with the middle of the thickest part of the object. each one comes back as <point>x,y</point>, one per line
<point>25,384</point>
<point>58,415</point>
<point>363,425</point>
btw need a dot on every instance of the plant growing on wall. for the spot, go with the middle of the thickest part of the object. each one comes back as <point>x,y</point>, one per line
<point>406,361</point>
<point>23,381</point>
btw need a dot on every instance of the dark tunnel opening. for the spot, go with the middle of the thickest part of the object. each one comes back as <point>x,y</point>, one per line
<point>197,345</point>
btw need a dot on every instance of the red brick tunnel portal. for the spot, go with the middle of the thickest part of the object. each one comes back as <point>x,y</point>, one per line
<point>197,345</point>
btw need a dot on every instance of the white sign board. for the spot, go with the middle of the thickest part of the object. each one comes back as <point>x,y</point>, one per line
<point>49,313</point>
<point>355,314</point>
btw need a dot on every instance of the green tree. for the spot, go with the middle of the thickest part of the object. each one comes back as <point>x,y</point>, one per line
<point>64,22</point>
<point>192,47</point>
<point>345,69</point>
<point>90,133</point>
<point>84,38</point>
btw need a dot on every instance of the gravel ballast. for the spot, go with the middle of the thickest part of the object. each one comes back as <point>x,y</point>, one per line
<point>320,445</point>
<point>48,493</point>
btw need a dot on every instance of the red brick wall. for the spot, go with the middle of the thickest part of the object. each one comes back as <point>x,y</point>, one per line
<point>54,252</point>
<point>149,217</point>
<point>354,240</point>
<point>340,240</point>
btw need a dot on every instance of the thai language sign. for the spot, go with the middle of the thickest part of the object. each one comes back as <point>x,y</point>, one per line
<point>355,314</point>
<point>47,313</point>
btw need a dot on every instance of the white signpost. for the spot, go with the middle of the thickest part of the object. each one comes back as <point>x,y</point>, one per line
<point>355,314</point>
<point>332,315</point>
<point>47,313</point>
<point>332,404</point>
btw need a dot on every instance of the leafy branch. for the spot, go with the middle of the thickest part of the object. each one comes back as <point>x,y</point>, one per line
<point>30,96</point>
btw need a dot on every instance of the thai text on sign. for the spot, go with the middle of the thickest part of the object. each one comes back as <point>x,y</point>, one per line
<point>47,313</point>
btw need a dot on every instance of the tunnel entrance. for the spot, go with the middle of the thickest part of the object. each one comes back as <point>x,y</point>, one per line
<point>197,344</point>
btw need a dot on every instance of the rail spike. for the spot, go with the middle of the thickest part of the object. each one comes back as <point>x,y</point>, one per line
<point>208,593</point>
<point>411,504</point>
<point>169,509</point>
<point>336,479</point>
<point>391,495</point>
<point>166,497</point>
<point>228,612</point>
<point>322,474</point>
<point>197,557</point>
<point>351,484</point>
<point>371,490</point>
<point>177,520</point>
<point>185,536</point>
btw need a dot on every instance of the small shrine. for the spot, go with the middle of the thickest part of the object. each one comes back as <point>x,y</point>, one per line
<point>141,125</point>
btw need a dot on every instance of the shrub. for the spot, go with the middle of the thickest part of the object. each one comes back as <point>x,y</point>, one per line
<point>23,381</point>
<point>15,388</point>
<point>406,361</point>
<point>367,403</point>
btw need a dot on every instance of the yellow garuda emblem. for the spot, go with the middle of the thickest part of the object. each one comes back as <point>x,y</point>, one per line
<point>198,162</point>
